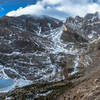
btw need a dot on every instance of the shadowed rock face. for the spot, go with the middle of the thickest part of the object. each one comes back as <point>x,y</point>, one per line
<point>72,37</point>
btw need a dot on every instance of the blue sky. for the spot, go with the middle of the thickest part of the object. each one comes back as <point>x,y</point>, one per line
<point>54,8</point>
<point>9,5</point>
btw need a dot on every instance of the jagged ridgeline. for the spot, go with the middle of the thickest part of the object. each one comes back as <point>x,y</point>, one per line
<point>42,49</point>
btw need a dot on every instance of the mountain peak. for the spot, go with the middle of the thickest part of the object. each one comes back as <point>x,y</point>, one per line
<point>87,27</point>
<point>92,15</point>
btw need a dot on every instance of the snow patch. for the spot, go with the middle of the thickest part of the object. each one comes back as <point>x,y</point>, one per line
<point>76,63</point>
<point>90,36</point>
<point>43,94</point>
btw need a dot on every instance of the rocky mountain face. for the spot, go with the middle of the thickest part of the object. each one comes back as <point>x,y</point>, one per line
<point>87,27</point>
<point>37,49</point>
<point>25,48</point>
<point>35,24</point>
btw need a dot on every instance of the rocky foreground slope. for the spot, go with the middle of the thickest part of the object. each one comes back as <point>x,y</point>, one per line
<point>60,61</point>
<point>87,87</point>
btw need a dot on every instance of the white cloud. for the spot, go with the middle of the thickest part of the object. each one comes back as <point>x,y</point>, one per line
<point>33,9</point>
<point>52,2</point>
<point>58,8</point>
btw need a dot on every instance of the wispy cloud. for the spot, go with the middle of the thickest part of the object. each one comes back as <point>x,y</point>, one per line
<point>1,9</point>
<point>59,8</point>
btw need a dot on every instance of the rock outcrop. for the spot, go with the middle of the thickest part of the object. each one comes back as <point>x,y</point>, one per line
<point>82,29</point>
